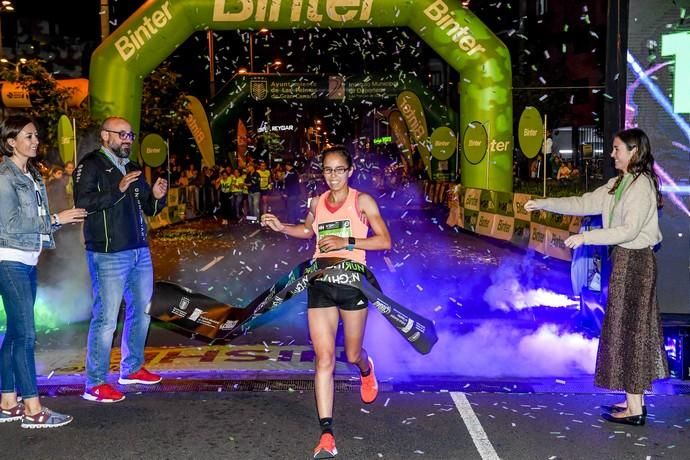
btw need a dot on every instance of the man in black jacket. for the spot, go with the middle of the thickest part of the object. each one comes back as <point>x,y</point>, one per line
<point>116,197</point>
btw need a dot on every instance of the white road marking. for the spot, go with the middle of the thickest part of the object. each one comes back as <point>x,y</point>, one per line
<point>481,441</point>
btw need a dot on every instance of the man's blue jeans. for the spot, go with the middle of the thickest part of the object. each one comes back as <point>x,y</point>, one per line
<point>17,364</point>
<point>114,275</point>
<point>254,199</point>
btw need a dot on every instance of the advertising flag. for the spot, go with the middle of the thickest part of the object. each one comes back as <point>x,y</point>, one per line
<point>401,135</point>
<point>412,111</point>
<point>198,125</point>
<point>66,140</point>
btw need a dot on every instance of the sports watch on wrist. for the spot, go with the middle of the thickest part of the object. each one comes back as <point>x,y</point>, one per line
<point>350,243</point>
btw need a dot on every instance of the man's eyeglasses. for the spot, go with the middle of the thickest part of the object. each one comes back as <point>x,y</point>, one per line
<point>124,135</point>
<point>339,171</point>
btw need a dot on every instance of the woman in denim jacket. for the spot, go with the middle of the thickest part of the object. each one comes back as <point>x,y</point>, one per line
<point>25,229</point>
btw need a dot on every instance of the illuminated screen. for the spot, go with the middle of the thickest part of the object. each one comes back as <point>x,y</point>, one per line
<point>658,101</point>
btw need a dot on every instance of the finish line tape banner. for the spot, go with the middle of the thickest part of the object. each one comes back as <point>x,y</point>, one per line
<point>502,215</point>
<point>215,320</point>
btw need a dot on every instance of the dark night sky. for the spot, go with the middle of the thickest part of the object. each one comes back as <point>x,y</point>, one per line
<point>536,44</point>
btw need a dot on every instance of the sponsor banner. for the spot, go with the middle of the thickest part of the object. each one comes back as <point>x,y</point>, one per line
<point>540,217</point>
<point>154,150</point>
<point>575,224</point>
<point>559,221</point>
<point>502,215</point>
<point>15,95</point>
<point>66,139</point>
<point>475,142</point>
<point>443,143</point>
<point>176,213</point>
<point>255,358</point>
<point>469,220</point>
<point>519,200</point>
<point>472,197</point>
<point>530,132</point>
<point>555,243</point>
<point>197,122</point>
<point>485,223</point>
<point>317,87</point>
<point>487,201</point>
<point>504,203</point>
<point>412,111</point>
<point>401,135</point>
<point>503,227</point>
<point>521,233</point>
<point>173,196</point>
<point>537,239</point>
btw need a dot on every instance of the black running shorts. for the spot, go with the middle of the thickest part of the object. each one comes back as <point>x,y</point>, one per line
<point>321,294</point>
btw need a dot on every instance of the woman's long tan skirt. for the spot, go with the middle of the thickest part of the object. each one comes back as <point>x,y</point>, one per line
<point>631,347</point>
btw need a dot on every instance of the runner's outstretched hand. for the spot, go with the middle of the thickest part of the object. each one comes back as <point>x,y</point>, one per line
<point>272,222</point>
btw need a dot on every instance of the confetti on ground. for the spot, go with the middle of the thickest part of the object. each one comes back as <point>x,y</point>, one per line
<point>212,263</point>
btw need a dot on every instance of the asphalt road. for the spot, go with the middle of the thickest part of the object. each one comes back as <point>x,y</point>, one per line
<point>442,273</point>
<point>399,425</point>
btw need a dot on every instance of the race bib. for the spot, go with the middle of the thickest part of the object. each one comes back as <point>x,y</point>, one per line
<point>339,228</point>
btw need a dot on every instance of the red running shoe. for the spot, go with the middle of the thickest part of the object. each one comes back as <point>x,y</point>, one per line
<point>141,376</point>
<point>370,386</point>
<point>326,447</point>
<point>103,393</point>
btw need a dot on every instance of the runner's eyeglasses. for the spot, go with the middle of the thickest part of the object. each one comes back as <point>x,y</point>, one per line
<point>339,171</point>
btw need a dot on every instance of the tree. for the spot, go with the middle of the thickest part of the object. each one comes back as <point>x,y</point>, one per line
<point>48,101</point>
<point>164,103</point>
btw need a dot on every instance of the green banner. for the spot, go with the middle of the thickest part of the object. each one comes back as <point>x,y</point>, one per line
<point>412,111</point>
<point>122,61</point>
<point>154,150</point>
<point>198,125</point>
<point>66,140</point>
<point>530,132</point>
<point>401,135</point>
<point>443,143</point>
<point>475,143</point>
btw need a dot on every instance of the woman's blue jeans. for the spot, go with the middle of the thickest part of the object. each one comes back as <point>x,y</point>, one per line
<point>17,363</point>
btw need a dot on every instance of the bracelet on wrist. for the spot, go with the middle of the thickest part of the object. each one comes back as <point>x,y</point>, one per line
<point>57,220</point>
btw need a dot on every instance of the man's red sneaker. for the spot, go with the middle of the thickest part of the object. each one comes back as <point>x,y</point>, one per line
<point>141,376</point>
<point>103,393</point>
<point>370,386</point>
<point>326,447</point>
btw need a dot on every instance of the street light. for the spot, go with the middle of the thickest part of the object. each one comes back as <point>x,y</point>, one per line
<point>5,6</point>
<point>275,64</point>
<point>15,64</point>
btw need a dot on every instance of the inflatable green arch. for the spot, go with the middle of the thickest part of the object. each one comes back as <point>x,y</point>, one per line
<point>152,33</point>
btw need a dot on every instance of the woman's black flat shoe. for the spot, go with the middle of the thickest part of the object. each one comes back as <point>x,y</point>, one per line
<point>613,409</point>
<point>635,420</point>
